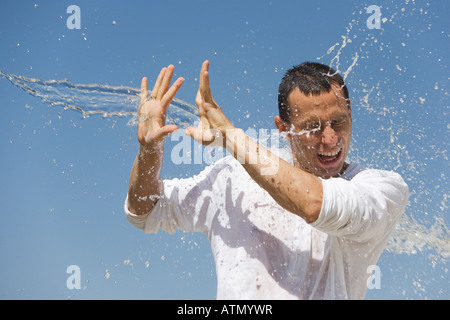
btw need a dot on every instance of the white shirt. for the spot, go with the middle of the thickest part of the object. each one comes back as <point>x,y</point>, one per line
<point>262,251</point>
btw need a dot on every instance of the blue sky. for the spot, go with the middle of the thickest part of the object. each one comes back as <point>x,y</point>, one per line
<point>64,178</point>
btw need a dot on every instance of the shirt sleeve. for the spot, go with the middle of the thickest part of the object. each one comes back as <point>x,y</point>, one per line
<point>185,204</point>
<point>366,207</point>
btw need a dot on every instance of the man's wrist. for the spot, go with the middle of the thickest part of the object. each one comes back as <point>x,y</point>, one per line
<point>149,150</point>
<point>235,142</point>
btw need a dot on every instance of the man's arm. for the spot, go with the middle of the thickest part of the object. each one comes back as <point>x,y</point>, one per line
<point>292,188</point>
<point>295,190</point>
<point>145,184</point>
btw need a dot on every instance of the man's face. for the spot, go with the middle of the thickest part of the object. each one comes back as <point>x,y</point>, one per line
<point>319,131</point>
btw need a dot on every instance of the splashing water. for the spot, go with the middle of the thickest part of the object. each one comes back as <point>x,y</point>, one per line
<point>90,99</point>
<point>397,144</point>
<point>293,132</point>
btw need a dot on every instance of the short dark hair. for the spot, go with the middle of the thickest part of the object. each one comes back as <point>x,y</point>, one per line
<point>310,78</point>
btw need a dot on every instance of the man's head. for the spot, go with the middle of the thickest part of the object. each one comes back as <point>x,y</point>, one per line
<point>315,111</point>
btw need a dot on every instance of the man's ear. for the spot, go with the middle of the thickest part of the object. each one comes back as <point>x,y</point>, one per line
<point>282,126</point>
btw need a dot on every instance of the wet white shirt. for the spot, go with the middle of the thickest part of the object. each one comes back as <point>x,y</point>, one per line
<point>262,251</point>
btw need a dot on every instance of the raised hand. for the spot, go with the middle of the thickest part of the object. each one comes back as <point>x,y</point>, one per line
<point>153,110</point>
<point>213,123</point>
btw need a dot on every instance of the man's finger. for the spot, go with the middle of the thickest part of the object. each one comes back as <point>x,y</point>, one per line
<point>166,130</point>
<point>144,91</point>
<point>189,132</point>
<point>198,99</point>
<point>194,133</point>
<point>205,89</point>
<point>204,137</point>
<point>205,67</point>
<point>199,102</point>
<point>144,84</point>
<point>165,82</point>
<point>158,83</point>
<point>168,97</point>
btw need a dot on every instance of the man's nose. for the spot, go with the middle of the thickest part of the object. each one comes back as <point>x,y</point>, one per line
<point>329,136</point>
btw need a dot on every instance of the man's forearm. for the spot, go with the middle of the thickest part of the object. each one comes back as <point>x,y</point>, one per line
<point>292,188</point>
<point>145,185</point>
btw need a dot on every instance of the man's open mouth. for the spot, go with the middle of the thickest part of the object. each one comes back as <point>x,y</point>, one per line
<point>329,157</point>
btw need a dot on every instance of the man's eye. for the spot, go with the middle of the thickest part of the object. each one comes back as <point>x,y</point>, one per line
<point>337,122</point>
<point>312,126</point>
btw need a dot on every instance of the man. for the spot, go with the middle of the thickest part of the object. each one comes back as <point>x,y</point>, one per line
<point>309,229</point>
